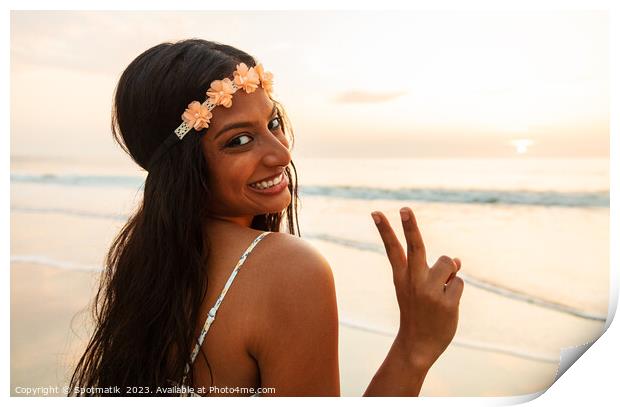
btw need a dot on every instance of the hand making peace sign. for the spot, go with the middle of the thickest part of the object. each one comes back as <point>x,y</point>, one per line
<point>428,297</point>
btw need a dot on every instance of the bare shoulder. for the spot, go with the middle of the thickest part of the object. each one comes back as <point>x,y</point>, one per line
<point>279,259</point>
<point>296,345</point>
<point>293,256</point>
<point>294,269</point>
<point>295,279</point>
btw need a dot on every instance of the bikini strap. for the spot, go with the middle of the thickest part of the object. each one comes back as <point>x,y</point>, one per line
<point>213,310</point>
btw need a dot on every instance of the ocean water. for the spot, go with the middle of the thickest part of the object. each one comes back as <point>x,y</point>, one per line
<point>574,183</point>
<point>563,182</point>
<point>532,233</point>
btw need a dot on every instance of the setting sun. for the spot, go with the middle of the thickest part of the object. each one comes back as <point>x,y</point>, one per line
<point>521,145</point>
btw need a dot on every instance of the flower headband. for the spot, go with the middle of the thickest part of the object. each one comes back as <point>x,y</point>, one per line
<point>198,115</point>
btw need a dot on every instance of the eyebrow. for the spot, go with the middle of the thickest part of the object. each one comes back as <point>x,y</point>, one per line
<point>241,124</point>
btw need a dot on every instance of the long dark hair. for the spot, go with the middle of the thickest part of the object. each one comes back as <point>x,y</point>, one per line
<point>147,306</point>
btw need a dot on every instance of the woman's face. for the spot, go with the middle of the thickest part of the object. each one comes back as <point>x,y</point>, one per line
<point>245,145</point>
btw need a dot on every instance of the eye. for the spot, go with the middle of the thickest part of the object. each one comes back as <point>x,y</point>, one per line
<point>239,141</point>
<point>278,122</point>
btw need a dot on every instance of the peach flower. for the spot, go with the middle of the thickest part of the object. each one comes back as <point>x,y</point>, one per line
<point>266,78</point>
<point>197,116</point>
<point>246,78</point>
<point>220,92</point>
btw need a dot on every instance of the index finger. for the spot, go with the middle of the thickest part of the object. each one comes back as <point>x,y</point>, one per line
<point>393,248</point>
<point>416,252</point>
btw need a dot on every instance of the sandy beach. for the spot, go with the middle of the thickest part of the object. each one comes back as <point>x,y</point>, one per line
<point>44,303</point>
<point>43,345</point>
<point>503,346</point>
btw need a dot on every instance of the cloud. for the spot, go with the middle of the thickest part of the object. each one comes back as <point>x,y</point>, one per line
<point>360,96</point>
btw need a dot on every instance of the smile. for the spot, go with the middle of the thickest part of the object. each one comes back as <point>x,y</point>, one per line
<point>271,186</point>
<point>268,183</point>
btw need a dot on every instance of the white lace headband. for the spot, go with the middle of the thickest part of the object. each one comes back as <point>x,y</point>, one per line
<point>198,115</point>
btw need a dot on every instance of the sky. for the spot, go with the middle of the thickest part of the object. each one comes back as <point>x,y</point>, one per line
<point>354,83</point>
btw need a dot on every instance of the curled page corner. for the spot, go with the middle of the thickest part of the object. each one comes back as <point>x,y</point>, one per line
<point>568,356</point>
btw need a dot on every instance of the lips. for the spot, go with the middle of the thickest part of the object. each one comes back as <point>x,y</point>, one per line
<point>267,178</point>
<point>274,189</point>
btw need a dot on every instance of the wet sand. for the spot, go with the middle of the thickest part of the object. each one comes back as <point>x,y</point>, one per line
<point>44,304</point>
<point>44,346</point>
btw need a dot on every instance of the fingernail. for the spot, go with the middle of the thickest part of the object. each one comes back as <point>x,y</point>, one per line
<point>404,214</point>
<point>376,218</point>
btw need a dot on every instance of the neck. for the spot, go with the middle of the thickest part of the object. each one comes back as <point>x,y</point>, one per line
<point>243,221</point>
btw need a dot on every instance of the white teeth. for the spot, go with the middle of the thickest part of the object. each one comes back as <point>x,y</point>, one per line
<point>269,183</point>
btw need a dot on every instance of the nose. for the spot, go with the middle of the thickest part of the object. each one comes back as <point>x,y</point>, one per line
<point>276,150</point>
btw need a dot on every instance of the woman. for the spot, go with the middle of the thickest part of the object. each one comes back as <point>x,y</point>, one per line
<point>216,187</point>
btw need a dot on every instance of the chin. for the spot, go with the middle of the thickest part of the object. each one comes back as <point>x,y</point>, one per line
<point>280,206</point>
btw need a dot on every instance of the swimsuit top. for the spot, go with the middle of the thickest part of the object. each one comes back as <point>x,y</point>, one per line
<point>213,311</point>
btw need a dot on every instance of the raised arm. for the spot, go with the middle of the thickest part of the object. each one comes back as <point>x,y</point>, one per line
<point>428,299</point>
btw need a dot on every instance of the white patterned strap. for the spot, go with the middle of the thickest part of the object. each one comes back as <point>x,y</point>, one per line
<point>184,128</point>
<point>213,310</point>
